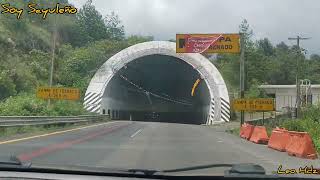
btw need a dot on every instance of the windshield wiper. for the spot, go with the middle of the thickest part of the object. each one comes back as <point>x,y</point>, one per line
<point>245,168</point>
<point>196,168</point>
<point>236,169</point>
<point>146,172</point>
<point>13,162</point>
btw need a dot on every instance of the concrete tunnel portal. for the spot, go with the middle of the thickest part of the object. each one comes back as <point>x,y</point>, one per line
<point>151,82</point>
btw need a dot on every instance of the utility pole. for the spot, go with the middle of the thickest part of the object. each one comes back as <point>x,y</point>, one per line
<point>298,100</point>
<point>242,75</point>
<point>54,34</point>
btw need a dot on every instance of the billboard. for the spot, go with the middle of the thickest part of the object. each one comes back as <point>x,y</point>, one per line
<point>208,43</point>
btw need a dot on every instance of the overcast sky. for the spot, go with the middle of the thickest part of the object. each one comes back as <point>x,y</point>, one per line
<point>274,19</point>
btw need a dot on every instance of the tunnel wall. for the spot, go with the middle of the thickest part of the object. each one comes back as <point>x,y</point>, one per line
<point>219,108</point>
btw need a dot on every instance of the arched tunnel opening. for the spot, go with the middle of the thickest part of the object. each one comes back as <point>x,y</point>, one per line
<point>157,88</point>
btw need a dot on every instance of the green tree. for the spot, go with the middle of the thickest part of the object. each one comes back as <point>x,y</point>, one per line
<point>91,24</point>
<point>253,91</point>
<point>265,47</point>
<point>315,57</point>
<point>77,66</point>
<point>135,39</point>
<point>228,65</point>
<point>7,86</point>
<point>313,69</point>
<point>20,74</point>
<point>282,47</point>
<point>282,66</point>
<point>115,29</point>
<point>38,62</point>
<point>247,33</point>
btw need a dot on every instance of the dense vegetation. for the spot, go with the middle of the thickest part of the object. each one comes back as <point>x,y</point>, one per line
<point>83,42</point>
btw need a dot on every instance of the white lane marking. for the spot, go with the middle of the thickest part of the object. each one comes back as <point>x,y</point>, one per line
<point>136,133</point>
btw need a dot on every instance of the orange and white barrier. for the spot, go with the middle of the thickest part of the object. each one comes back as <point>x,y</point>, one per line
<point>246,131</point>
<point>259,135</point>
<point>279,139</point>
<point>301,145</point>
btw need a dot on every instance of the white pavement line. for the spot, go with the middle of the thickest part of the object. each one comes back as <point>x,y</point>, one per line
<point>136,133</point>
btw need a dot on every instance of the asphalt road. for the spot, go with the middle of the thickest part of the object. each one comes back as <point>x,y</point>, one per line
<point>149,145</point>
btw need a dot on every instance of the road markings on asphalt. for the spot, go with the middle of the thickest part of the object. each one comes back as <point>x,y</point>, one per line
<point>53,133</point>
<point>136,133</point>
<point>219,140</point>
<point>68,143</point>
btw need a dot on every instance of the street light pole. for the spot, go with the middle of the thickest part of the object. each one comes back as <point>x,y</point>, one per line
<point>298,100</point>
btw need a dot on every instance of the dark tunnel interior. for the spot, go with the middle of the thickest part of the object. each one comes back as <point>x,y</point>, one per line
<point>157,88</point>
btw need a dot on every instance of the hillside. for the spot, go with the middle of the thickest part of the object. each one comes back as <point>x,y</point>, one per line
<point>83,42</point>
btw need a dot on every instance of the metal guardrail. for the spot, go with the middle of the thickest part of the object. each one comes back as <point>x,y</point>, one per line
<point>12,121</point>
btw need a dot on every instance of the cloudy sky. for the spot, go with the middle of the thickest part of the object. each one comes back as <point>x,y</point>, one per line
<point>274,19</point>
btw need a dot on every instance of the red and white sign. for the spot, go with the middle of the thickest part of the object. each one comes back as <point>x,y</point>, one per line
<point>200,44</point>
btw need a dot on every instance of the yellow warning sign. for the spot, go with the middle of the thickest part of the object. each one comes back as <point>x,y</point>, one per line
<point>227,43</point>
<point>260,104</point>
<point>58,93</point>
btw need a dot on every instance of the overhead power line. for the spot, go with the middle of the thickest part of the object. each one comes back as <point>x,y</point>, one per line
<point>167,97</point>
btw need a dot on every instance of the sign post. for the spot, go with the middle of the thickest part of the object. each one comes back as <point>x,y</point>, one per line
<point>242,76</point>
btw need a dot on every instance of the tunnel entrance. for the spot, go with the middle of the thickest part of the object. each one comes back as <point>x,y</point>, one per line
<point>150,81</point>
<point>158,88</point>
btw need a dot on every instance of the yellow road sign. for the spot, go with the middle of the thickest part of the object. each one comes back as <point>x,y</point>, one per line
<point>260,104</point>
<point>227,43</point>
<point>58,93</point>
